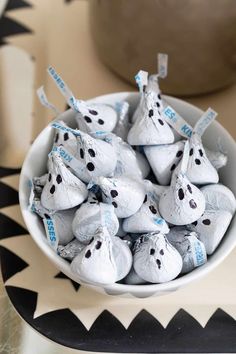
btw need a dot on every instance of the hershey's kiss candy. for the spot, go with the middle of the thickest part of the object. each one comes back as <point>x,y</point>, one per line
<point>123,125</point>
<point>106,260</point>
<point>217,158</point>
<point>219,197</point>
<point>62,190</point>
<point>95,157</point>
<point>164,159</point>
<point>95,117</point>
<point>150,128</point>
<point>155,259</point>
<point>200,170</point>
<point>191,249</point>
<point>211,228</point>
<point>62,219</point>
<point>91,216</point>
<point>66,139</point>
<point>147,218</point>
<point>124,193</point>
<point>71,250</point>
<point>129,163</point>
<point>133,278</point>
<point>182,203</point>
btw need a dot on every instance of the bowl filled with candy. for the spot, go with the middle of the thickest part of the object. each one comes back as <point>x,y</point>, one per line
<point>131,193</point>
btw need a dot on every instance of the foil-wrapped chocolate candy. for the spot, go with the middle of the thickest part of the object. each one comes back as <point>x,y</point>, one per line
<point>182,203</point>
<point>191,249</point>
<point>219,197</point>
<point>124,193</point>
<point>91,216</point>
<point>150,128</point>
<point>71,250</point>
<point>147,218</point>
<point>164,159</point>
<point>62,219</point>
<point>95,116</point>
<point>155,259</point>
<point>211,228</point>
<point>95,157</point>
<point>106,260</point>
<point>62,190</point>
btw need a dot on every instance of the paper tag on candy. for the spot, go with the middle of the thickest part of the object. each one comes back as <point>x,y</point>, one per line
<point>205,120</point>
<point>69,159</point>
<point>76,105</point>
<point>44,100</point>
<point>51,232</point>
<point>199,254</point>
<point>106,214</point>
<point>162,60</point>
<point>141,79</point>
<point>177,122</point>
<point>61,127</point>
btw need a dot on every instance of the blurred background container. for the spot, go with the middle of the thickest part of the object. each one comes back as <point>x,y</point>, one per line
<point>198,35</point>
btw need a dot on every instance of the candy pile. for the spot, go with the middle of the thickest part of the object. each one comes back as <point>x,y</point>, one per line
<point>134,198</point>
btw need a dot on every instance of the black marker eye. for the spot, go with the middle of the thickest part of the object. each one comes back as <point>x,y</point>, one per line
<point>150,113</point>
<point>152,251</point>
<point>56,137</point>
<point>114,204</point>
<point>152,209</point>
<point>100,121</point>
<point>90,166</point>
<point>145,199</point>
<point>92,239</point>
<point>192,204</point>
<point>93,112</point>
<point>191,152</point>
<point>158,104</point>
<point>66,136</point>
<point>91,152</point>
<point>181,194</point>
<point>189,189</point>
<point>194,223</point>
<point>206,221</point>
<point>200,152</point>
<point>52,189</point>
<point>59,179</point>
<point>159,96</point>
<point>161,121</point>
<point>158,263</point>
<point>81,153</point>
<point>197,162</point>
<point>179,153</point>
<point>98,245</point>
<point>49,177</point>
<point>173,167</point>
<point>114,193</point>
<point>88,254</point>
<point>87,119</point>
<point>161,252</point>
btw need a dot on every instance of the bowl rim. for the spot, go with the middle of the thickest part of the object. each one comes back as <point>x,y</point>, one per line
<point>134,290</point>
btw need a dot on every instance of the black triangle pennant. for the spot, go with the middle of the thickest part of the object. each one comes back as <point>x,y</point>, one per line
<point>10,228</point>
<point>16,4</point>
<point>8,195</point>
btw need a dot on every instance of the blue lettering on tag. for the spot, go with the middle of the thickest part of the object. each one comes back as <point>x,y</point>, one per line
<point>159,221</point>
<point>186,130</point>
<point>170,114</point>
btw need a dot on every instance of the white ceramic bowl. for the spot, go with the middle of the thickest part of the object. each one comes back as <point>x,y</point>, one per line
<point>35,165</point>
